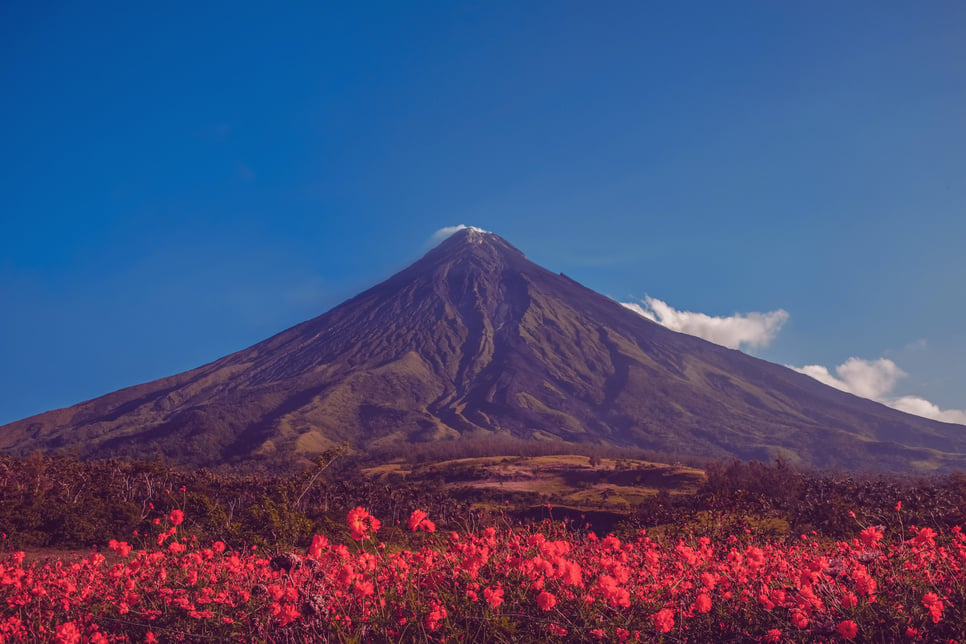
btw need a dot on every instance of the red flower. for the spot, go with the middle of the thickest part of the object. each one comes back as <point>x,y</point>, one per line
<point>703,603</point>
<point>663,620</point>
<point>415,518</point>
<point>493,596</point>
<point>436,615</point>
<point>122,548</point>
<point>773,635</point>
<point>870,536</point>
<point>319,543</point>
<point>849,600</point>
<point>360,522</point>
<point>176,517</point>
<point>925,537</point>
<point>546,601</point>
<point>418,521</point>
<point>848,629</point>
<point>556,629</point>
<point>934,605</point>
<point>755,558</point>
<point>67,633</point>
<point>288,614</point>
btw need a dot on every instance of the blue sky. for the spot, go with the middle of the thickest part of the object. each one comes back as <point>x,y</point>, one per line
<point>179,181</point>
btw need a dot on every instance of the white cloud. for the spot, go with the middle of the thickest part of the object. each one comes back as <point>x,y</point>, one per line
<point>868,379</point>
<point>741,329</point>
<point>448,231</point>
<point>922,407</point>
<point>876,379</point>
<point>872,379</point>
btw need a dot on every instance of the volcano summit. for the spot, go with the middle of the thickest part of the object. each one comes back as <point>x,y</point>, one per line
<point>474,341</point>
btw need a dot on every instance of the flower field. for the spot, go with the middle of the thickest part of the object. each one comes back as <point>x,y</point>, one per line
<point>503,583</point>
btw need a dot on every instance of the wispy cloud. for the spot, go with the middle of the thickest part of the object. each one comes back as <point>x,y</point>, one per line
<point>876,380</point>
<point>741,330</point>
<point>448,231</point>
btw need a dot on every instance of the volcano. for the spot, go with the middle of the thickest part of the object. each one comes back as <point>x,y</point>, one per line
<point>474,342</point>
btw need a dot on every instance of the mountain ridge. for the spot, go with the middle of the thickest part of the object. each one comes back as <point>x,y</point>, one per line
<point>475,341</point>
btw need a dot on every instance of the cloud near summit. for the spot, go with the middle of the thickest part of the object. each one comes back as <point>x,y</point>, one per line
<point>751,330</point>
<point>448,231</point>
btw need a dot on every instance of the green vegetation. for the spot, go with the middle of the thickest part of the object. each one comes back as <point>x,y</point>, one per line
<point>62,502</point>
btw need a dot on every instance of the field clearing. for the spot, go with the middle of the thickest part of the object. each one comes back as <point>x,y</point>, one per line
<point>574,480</point>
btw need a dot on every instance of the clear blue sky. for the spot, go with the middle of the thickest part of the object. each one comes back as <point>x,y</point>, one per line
<point>181,180</point>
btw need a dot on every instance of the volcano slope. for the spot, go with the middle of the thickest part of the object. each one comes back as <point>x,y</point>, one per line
<point>474,342</point>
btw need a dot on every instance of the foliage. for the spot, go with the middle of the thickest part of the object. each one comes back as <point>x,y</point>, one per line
<point>62,502</point>
<point>831,503</point>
